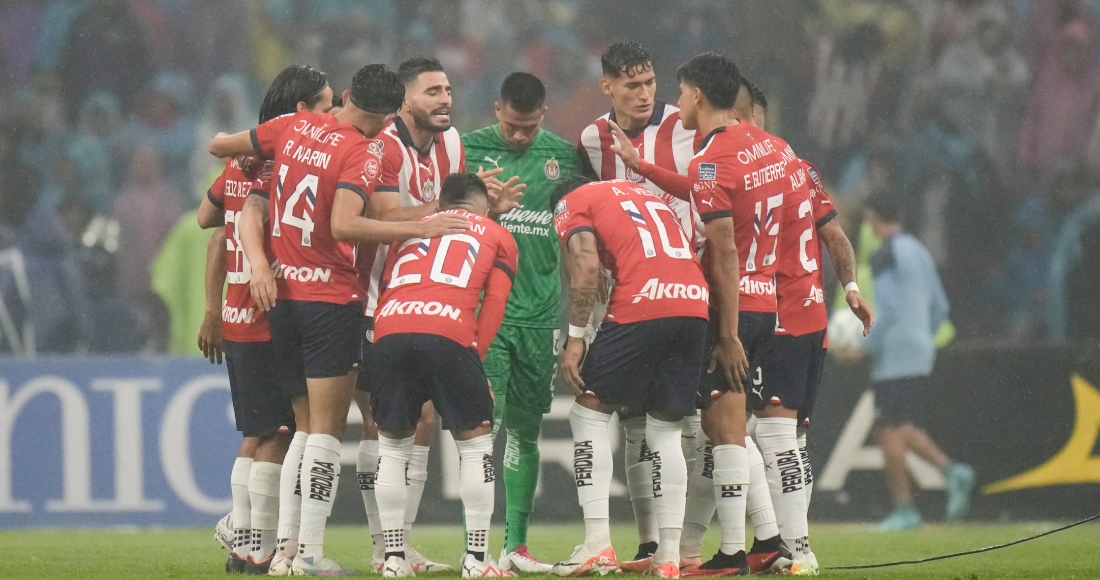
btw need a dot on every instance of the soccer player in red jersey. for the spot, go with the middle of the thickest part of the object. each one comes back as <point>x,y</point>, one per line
<point>417,151</point>
<point>653,129</point>
<point>787,400</point>
<point>647,356</point>
<point>262,407</point>
<point>430,339</point>
<point>323,176</point>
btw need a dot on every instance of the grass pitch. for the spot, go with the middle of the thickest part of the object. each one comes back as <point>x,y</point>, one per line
<point>183,554</point>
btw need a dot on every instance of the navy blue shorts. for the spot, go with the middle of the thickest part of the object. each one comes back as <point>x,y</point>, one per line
<point>893,400</point>
<point>366,341</point>
<point>317,340</point>
<point>648,366</point>
<point>756,331</point>
<point>793,382</point>
<point>261,404</point>
<point>410,369</point>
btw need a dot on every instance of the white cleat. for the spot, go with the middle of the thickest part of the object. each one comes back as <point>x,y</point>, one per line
<point>584,562</point>
<point>280,565</point>
<point>522,561</point>
<point>323,566</point>
<point>422,565</point>
<point>223,532</point>
<point>807,565</point>
<point>474,568</point>
<point>396,567</point>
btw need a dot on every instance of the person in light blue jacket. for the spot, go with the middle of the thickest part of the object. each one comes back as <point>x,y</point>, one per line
<point>910,305</point>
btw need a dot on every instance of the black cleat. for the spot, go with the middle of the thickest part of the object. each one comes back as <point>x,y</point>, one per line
<point>770,555</point>
<point>235,564</point>
<point>640,564</point>
<point>254,568</point>
<point>722,564</point>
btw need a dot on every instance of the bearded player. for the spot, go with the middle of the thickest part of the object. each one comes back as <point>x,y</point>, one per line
<point>653,129</point>
<point>520,362</point>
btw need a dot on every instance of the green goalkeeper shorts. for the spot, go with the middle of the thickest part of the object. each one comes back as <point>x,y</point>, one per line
<point>520,366</point>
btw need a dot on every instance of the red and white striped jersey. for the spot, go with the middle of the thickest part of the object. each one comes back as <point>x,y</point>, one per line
<point>416,177</point>
<point>663,142</point>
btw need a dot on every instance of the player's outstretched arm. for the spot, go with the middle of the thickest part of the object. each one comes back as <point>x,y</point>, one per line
<point>250,229</point>
<point>225,145</point>
<point>348,224</point>
<point>676,185</point>
<point>210,215</point>
<point>843,257</point>
<point>729,354</point>
<point>385,206</point>
<point>210,332</point>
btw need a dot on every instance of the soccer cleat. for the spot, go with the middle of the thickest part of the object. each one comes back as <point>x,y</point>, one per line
<point>323,566</point>
<point>280,565</point>
<point>522,560</point>
<point>902,518</point>
<point>721,564</point>
<point>422,565</point>
<point>642,562</point>
<point>396,567</point>
<point>806,566</point>
<point>487,568</point>
<point>235,564</point>
<point>223,532</point>
<point>255,568</point>
<point>770,555</point>
<point>689,564</point>
<point>376,564</point>
<point>960,484</point>
<point>666,570</point>
<point>584,562</point>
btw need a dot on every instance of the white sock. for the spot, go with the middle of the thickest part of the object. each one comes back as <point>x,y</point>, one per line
<point>731,483</point>
<point>476,486</point>
<point>669,486</point>
<point>263,493</point>
<point>639,478</point>
<point>320,480</point>
<point>779,448</point>
<point>592,472</point>
<point>417,478</point>
<point>290,496</point>
<point>699,510</point>
<point>689,440</point>
<point>759,500</point>
<point>366,469</point>
<point>807,471</point>
<point>242,507</point>
<point>390,489</point>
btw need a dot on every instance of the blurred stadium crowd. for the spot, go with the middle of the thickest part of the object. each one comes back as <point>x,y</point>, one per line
<point>981,113</point>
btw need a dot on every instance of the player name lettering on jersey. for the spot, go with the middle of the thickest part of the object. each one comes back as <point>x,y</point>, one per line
<point>303,273</point>
<point>764,176</point>
<point>654,289</point>
<point>418,308</point>
<point>309,156</point>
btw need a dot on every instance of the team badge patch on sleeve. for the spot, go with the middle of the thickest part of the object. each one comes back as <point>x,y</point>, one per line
<point>813,175</point>
<point>371,168</point>
<point>708,172</point>
<point>560,207</point>
<point>552,169</point>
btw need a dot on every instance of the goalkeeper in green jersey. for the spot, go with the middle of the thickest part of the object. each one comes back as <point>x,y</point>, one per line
<point>520,362</point>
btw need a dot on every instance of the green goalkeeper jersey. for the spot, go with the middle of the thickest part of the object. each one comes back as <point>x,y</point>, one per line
<point>549,160</point>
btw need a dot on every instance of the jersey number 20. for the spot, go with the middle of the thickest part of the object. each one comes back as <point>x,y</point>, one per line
<point>465,243</point>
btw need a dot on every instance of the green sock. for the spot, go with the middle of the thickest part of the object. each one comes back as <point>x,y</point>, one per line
<point>521,472</point>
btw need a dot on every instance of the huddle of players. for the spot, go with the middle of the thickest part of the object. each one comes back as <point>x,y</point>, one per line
<point>423,337</point>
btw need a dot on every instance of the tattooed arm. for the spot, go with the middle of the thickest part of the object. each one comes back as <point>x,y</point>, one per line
<point>843,257</point>
<point>583,262</point>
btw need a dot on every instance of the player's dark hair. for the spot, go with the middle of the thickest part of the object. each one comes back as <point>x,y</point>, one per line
<point>625,58</point>
<point>376,89</point>
<point>417,65</point>
<point>565,187</point>
<point>458,187</point>
<point>524,92</point>
<point>758,97</point>
<point>713,74</point>
<point>888,207</point>
<point>294,84</point>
